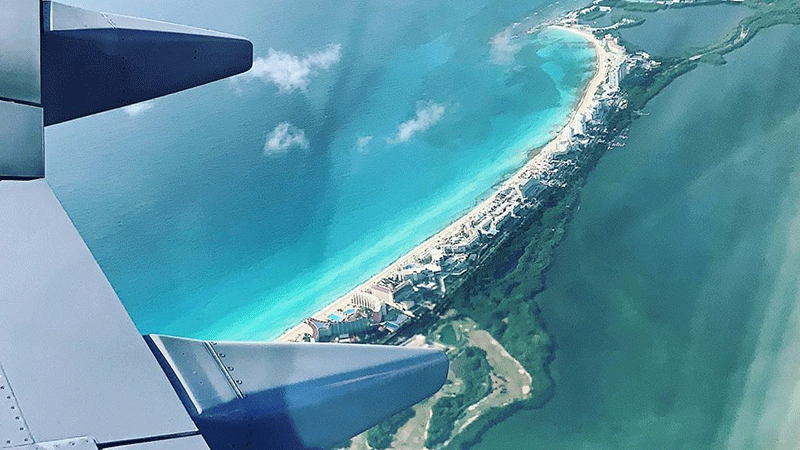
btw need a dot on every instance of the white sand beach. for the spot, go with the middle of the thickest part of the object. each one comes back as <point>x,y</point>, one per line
<point>538,162</point>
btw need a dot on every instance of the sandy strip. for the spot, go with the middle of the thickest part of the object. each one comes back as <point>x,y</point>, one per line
<point>540,158</point>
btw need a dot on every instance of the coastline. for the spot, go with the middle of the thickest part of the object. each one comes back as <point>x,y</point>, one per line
<point>537,164</point>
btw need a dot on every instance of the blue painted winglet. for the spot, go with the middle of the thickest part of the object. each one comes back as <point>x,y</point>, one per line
<point>294,396</point>
<point>93,62</point>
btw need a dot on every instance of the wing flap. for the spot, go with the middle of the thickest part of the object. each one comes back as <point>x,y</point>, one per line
<point>296,396</point>
<point>94,62</point>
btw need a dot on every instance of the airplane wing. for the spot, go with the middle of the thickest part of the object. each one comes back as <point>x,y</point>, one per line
<point>74,371</point>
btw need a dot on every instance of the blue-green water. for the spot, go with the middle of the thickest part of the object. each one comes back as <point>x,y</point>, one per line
<point>236,209</point>
<point>673,32</point>
<point>674,298</point>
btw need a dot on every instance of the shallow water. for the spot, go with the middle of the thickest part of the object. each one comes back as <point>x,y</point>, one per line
<point>207,227</point>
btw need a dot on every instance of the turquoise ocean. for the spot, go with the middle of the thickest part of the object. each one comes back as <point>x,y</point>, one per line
<point>234,210</point>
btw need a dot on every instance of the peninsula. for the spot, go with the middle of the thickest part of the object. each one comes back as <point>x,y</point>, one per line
<point>499,351</point>
<point>439,263</point>
<point>471,288</point>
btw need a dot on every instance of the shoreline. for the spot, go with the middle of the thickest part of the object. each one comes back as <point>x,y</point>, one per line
<point>537,163</point>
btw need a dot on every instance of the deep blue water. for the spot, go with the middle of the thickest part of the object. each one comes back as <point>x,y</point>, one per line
<point>235,209</point>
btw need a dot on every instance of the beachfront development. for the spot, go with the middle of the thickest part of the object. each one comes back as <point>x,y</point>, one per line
<point>412,285</point>
<point>437,294</point>
<point>472,289</point>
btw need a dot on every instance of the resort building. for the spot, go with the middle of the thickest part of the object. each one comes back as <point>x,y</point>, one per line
<point>403,291</point>
<point>532,188</point>
<point>325,330</point>
<point>369,301</point>
<point>382,292</point>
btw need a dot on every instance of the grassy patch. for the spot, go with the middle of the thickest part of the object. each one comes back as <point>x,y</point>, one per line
<point>380,436</point>
<point>447,335</point>
<point>475,370</point>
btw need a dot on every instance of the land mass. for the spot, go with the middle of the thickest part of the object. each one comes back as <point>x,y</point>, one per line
<point>441,262</point>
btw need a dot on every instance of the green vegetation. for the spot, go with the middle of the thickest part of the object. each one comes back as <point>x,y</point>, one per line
<point>499,295</point>
<point>627,20</point>
<point>651,6</point>
<point>766,14</point>
<point>642,86</point>
<point>713,59</point>
<point>342,445</point>
<point>503,302</point>
<point>594,14</point>
<point>380,436</point>
<point>642,6</point>
<point>474,372</point>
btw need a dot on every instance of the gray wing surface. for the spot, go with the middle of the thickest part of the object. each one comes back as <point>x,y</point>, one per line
<point>74,371</point>
<point>71,355</point>
<point>93,62</point>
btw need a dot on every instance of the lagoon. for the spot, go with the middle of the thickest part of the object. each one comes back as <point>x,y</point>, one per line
<point>680,31</point>
<point>674,299</point>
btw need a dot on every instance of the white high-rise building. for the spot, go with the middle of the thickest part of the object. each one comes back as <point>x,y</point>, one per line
<point>369,301</point>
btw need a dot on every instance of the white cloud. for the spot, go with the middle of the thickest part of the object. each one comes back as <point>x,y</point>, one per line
<point>283,138</point>
<point>504,47</point>
<point>138,109</point>
<point>428,115</point>
<point>326,58</point>
<point>290,72</point>
<point>362,142</point>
